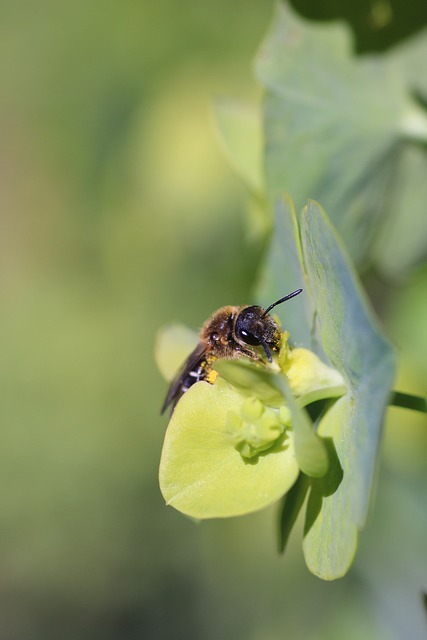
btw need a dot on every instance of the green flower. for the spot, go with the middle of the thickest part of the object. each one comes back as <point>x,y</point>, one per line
<point>238,445</point>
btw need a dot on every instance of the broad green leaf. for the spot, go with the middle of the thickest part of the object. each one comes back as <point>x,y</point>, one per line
<point>283,272</point>
<point>355,345</point>
<point>174,343</point>
<point>203,475</point>
<point>239,127</point>
<point>335,124</point>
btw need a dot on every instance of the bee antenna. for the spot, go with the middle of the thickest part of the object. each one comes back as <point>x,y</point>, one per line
<point>290,295</point>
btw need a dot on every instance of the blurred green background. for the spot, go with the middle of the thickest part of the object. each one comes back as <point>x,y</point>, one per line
<point>119,214</point>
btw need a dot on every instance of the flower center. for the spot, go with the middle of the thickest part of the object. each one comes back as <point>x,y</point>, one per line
<point>257,427</point>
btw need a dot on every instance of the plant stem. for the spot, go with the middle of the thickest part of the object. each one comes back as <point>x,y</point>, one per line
<point>408,401</point>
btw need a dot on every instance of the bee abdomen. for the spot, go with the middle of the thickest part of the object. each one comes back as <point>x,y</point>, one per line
<point>197,374</point>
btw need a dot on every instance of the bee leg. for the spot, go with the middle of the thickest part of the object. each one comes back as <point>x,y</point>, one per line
<point>251,354</point>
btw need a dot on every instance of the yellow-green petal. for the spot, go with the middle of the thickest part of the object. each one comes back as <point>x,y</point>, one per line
<point>173,345</point>
<point>203,475</point>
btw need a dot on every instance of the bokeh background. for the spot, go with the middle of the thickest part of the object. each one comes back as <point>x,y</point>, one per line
<point>119,213</point>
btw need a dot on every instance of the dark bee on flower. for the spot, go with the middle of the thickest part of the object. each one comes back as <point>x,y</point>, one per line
<point>229,333</point>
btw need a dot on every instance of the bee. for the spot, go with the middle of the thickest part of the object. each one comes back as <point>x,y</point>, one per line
<point>229,333</point>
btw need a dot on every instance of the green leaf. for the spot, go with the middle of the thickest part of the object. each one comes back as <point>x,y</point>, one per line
<point>283,272</point>
<point>335,124</point>
<point>357,348</point>
<point>203,475</point>
<point>240,132</point>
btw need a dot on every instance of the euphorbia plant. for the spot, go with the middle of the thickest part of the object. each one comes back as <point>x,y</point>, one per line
<point>310,424</point>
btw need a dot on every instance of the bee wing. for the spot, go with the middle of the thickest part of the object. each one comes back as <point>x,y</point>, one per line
<point>193,361</point>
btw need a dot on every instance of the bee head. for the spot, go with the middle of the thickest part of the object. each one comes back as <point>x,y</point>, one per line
<point>254,326</point>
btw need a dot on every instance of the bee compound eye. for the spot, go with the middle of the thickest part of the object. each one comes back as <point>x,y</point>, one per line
<point>248,337</point>
<point>248,326</point>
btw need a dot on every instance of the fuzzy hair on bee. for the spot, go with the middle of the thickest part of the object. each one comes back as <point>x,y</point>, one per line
<point>229,333</point>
